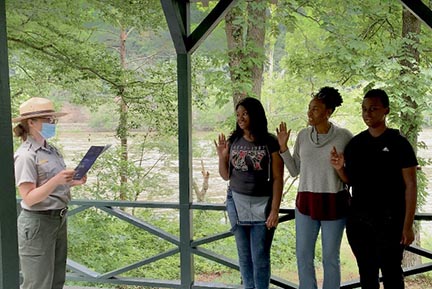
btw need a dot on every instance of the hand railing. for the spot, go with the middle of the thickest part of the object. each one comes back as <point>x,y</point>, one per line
<point>79,272</point>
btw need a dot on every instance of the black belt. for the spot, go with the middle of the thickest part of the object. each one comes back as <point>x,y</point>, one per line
<point>55,213</point>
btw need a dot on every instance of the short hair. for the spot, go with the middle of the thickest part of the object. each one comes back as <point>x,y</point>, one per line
<point>330,97</point>
<point>378,93</point>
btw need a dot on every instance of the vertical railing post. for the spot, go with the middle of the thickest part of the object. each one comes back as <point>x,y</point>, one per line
<point>9,268</point>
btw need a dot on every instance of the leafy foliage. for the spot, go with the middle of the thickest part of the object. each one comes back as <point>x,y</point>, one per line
<point>69,50</point>
<point>118,244</point>
<point>365,52</point>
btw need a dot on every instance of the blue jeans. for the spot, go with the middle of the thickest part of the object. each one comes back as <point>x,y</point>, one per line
<point>253,248</point>
<point>307,231</point>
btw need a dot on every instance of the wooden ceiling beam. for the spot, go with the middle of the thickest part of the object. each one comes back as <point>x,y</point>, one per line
<point>177,16</point>
<point>177,26</point>
<point>420,10</point>
<point>208,24</point>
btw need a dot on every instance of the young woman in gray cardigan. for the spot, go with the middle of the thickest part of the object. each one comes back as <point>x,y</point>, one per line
<point>321,201</point>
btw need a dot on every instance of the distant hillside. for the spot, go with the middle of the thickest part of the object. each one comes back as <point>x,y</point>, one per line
<point>75,113</point>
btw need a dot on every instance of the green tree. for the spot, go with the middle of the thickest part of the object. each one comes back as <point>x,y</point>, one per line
<point>245,27</point>
<point>360,45</point>
<point>67,46</point>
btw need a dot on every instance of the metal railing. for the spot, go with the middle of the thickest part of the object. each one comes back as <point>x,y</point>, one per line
<point>79,272</point>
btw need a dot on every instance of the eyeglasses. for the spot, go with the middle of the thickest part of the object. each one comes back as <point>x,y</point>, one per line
<point>50,120</point>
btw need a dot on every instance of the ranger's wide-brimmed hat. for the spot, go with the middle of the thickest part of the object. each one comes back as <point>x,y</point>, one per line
<point>37,107</point>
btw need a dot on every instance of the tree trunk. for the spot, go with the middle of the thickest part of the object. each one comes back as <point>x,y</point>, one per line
<point>246,51</point>
<point>255,42</point>
<point>201,193</point>
<point>122,126</point>
<point>234,34</point>
<point>411,121</point>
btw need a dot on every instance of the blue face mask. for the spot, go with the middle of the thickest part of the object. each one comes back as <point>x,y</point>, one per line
<point>48,130</point>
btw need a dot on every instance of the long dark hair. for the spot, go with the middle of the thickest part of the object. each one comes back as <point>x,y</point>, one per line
<point>258,120</point>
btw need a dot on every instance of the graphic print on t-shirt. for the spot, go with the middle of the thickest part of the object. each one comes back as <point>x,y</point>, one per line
<point>247,158</point>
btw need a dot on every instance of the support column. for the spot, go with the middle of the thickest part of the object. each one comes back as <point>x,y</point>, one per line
<point>9,268</point>
<point>185,169</point>
<point>177,14</point>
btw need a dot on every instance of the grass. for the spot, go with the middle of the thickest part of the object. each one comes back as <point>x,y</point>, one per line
<point>349,271</point>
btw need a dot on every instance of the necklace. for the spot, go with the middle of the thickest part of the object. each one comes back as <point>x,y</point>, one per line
<point>316,139</point>
<point>315,135</point>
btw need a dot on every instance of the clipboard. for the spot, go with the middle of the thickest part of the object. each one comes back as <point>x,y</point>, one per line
<point>88,160</point>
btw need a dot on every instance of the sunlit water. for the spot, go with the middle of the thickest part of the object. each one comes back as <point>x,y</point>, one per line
<point>75,143</point>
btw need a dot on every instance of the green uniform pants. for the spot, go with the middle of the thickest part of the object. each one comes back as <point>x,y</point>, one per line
<point>42,241</point>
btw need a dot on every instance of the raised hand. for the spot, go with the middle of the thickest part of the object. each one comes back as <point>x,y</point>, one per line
<point>337,160</point>
<point>222,146</point>
<point>283,136</point>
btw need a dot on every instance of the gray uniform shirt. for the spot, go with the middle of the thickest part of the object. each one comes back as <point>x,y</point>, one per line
<point>37,164</point>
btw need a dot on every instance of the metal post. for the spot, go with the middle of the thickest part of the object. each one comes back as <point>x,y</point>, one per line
<point>177,14</point>
<point>9,264</point>
<point>185,155</point>
<point>185,169</point>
